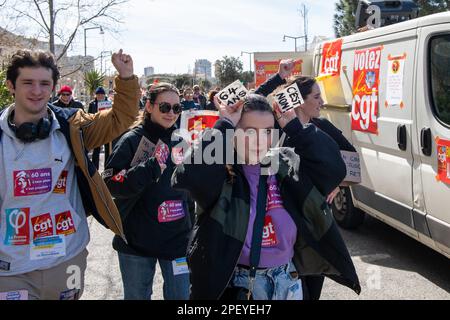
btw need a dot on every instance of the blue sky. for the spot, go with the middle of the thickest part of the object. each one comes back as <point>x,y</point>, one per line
<point>170,34</point>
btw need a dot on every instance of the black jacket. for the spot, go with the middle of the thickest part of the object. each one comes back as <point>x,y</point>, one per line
<point>305,176</point>
<point>73,104</point>
<point>140,193</point>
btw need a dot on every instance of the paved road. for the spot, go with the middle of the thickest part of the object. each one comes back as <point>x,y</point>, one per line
<point>390,266</point>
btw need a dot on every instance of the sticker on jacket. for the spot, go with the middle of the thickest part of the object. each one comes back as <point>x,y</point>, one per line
<point>42,226</point>
<point>170,211</point>
<point>180,266</point>
<point>269,235</point>
<point>64,224</point>
<point>61,184</point>
<point>162,152</point>
<point>73,294</point>
<point>32,182</point>
<point>14,295</point>
<point>120,177</point>
<point>17,227</point>
<point>274,200</point>
<point>49,247</point>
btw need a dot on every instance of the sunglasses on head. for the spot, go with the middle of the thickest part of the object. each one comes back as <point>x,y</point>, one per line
<point>165,107</point>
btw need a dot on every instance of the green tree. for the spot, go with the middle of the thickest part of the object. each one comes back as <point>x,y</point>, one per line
<point>183,80</point>
<point>228,69</point>
<point>247,77</point>
<point>345,11</point>
<point>344,17</point>
<point>93,80</point>
<point>432,6</point>
<point>5,97</point>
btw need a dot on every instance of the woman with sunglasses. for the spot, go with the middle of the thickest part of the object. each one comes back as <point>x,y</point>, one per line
<point>155,217</point>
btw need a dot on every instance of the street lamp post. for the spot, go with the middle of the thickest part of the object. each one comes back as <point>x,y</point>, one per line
<point>108,54</point>
<point>85,42</point>
<point>295,38</point>
<point>250,58</point>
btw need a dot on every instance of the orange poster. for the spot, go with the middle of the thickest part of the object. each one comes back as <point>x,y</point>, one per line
<point>331,59</point>
<point>266,69</point>
<point>443,160</point>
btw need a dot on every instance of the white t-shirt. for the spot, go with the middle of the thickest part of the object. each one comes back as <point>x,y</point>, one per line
<point>42,218</point>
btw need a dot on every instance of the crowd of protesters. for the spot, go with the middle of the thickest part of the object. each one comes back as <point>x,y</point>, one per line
<point>221,230</point>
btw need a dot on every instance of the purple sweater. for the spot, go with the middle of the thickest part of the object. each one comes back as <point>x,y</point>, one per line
<point>280,231</point>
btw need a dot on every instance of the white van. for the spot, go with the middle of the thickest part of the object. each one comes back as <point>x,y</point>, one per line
<point>399,165</point>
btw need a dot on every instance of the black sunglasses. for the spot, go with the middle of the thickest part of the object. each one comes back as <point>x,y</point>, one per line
<point>165,107</point>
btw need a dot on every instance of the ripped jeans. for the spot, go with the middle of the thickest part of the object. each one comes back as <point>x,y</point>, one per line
<point>271,284</point>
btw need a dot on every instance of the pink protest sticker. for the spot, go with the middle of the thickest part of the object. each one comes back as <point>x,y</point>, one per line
<point>169,211</point>
<point>162,152</point>
<point>274,200</point>
<point>32,182</point>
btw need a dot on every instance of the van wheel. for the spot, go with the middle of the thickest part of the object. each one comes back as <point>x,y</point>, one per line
<point>345,213</point>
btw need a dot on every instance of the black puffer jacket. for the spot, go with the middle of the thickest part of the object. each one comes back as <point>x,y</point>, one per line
<point>150,208</point>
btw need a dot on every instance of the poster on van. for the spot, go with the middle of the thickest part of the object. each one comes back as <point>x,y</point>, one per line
<point>366,80</point>
<point>331,59</point>
<point>266,69</point>
<point>394,81</point>
<point>443,160</point>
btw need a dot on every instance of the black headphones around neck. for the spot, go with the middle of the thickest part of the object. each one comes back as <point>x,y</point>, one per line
<point>29,132</point>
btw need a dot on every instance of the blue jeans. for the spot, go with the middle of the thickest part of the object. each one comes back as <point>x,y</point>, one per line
<point>271,284</point>
<point>137,277</point>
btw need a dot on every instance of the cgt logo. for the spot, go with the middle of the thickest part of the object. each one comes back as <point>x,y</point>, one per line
<point>64,224</point>
<point>42,226</point>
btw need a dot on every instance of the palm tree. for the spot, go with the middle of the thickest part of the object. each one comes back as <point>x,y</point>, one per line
<point>93,80</point>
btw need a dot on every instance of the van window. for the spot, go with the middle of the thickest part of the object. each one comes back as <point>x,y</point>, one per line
<point>440,76</point>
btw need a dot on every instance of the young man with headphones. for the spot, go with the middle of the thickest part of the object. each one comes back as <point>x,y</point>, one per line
<point>49,186</point>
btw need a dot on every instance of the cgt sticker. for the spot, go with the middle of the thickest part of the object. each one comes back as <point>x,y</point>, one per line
<point>269,234</point>
<point>17,227</point>
<point>120,177</point>
<point>42,226</point>
<point>64,224</point>
<point>32,182</point>
<point>61,184</point>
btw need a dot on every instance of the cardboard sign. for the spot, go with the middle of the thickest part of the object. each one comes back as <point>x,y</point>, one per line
<point>331,59</point>
<point>233,93</point>
<point>289,98</point>
<point>144,151</point>
<point>104,105</point>
<point>394,81</point>
<point>366,77</point>
<point>352,162</point>
<point>443,171</point>
<point>266,69</point>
